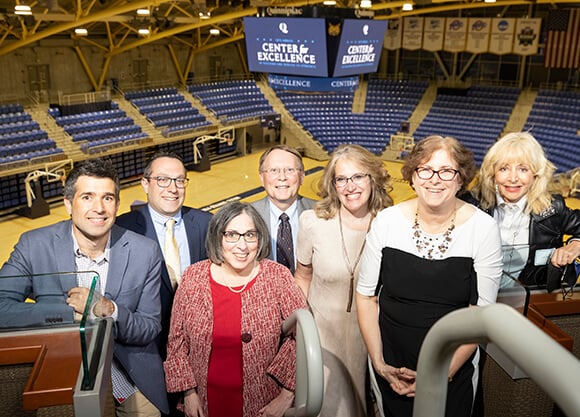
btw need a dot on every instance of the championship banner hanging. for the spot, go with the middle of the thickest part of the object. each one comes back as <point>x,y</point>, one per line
<point>502,35</point>
<point>455,34</point>
<point>393,35</point>
<point>527,36</point>
<point>412,33</point>
<point>434,33</point>
<point>478,35</point>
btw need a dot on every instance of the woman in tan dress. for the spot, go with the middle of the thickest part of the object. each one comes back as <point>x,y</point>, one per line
<point>353,188</point>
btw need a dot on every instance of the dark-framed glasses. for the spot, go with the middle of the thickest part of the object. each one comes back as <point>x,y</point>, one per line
<point>358,179</point>
<point>165,182</point>
<point>231,236</point>
<point>275,172</point>
<point>445,174</point>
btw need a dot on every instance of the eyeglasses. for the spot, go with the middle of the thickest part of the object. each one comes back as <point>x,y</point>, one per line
<point>165,182</point>
<point>357,179</point>
<point>275,172</point>
<point>231,236</point>
<point>446,174</point>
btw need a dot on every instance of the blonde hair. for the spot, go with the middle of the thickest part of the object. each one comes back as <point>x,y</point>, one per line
<point>329,204</point>
<point>525,149</point>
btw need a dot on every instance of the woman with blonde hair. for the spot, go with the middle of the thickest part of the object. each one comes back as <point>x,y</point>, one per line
<point>513,188</point>
<point>353,189</point>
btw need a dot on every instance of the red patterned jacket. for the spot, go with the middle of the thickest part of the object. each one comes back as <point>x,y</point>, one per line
<point>267,365</point>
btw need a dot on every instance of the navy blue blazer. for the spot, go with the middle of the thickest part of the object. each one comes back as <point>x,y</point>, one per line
<point>133,283</point>
<point>196,224</point>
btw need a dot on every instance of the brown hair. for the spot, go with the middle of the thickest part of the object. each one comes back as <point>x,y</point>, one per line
<point>424,150</point>
<point>219,222</point>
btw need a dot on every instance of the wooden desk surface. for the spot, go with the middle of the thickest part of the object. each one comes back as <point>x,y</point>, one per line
<point>56,357</point>
<point>554,304</point>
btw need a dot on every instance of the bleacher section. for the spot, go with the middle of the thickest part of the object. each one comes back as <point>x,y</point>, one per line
<point>167,109</point>
<point>99,129</point>
<point>476,118</point>
<point>554,120</point>
<point>22,141</point>
<point>331,121</point>
<point>232,101</point>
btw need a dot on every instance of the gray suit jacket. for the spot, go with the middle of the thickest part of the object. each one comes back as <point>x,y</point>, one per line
<point>133,283</point>
<point>263,207</point>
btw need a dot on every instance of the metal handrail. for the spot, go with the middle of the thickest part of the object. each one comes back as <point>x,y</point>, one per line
<point>551,366</point>
<point>309,372</point>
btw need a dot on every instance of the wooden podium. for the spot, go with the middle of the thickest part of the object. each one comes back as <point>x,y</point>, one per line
<point>41,369</point>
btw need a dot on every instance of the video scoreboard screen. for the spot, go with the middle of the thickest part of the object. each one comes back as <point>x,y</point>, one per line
<point>295,46</point>
<point>360,46</point>
<point>308,47</point>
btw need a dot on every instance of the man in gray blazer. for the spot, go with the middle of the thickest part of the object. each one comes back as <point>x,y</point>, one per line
<point>282,174</point>
<point>129,266</point>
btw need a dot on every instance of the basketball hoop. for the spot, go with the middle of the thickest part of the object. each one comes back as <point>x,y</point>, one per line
<point>223,135</point>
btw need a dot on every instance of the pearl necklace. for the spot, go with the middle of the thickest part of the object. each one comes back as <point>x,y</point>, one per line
<point>249,279</point>
<point>430,246</point>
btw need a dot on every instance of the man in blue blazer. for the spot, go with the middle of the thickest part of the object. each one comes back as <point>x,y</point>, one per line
<point>165,181</point>
<point>129,267</point>
<point>282,174</point>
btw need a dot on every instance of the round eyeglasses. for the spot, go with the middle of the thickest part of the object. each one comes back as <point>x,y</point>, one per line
<point>165,182</point>
<point>231,236</point>
<point>357,179</point>
<point>446,174</point>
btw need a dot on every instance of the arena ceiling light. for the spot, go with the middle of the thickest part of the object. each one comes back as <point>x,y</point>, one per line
<point>407,7</point>
<point>366,4</point>
<point>143,31</point>
<point>143,12</point>
<point>329,2</point>
<point>22,9</point>
<point>214,31</point>
<point>81,32</point>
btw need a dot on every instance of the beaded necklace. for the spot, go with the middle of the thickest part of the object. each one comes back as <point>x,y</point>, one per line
<point>430,246</point>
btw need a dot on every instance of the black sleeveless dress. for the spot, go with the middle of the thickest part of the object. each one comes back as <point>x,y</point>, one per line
<point>413,294</point>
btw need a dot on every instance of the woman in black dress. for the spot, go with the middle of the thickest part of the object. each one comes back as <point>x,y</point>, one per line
<point>423,259</point>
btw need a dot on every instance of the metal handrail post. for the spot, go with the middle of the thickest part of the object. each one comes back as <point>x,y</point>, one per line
<point>309,371</point>
<point>550,365</point>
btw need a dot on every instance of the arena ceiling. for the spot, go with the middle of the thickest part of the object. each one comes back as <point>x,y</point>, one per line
<point>113,25</point>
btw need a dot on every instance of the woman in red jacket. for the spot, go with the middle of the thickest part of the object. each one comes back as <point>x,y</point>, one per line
<point>225,352</point>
